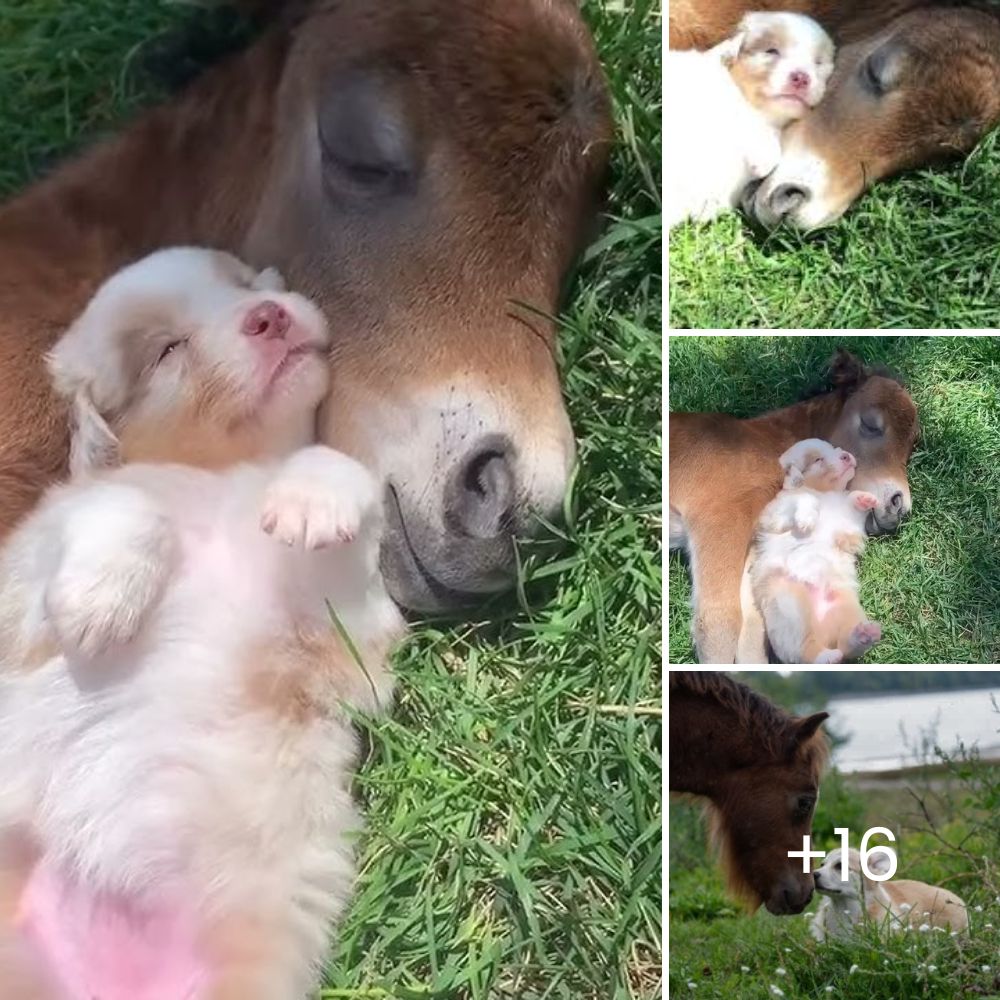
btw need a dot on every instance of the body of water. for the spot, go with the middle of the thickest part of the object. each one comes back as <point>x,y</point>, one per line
<point>889,731</point>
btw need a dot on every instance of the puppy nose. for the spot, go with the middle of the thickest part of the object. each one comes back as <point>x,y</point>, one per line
<point>786,198</point>
<point>267,320</point>
<point>798,79</point>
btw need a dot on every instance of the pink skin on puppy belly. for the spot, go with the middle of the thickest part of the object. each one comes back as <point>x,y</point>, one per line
<point>107,946</point>
<point>824,599</point>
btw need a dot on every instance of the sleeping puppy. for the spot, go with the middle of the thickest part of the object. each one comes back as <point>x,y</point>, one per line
<point>726,108</point>
<point>803,568</point>
<point>175,700</point>
<point>899,903</point>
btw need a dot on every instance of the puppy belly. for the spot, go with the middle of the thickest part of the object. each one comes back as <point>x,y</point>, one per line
<point>106,946</point>
<point>823,599</point>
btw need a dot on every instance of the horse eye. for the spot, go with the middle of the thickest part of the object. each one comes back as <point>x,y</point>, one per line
<point>869,429</point>
<point>881,70</point>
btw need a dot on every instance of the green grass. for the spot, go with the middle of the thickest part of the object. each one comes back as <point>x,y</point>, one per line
<point>717,952</point>
<point>918,251</point>
<point>935,586</point>
<point>513,840</point>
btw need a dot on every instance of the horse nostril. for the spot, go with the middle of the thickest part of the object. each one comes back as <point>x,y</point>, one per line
<point>786,198</point>
<point>480,495</point>
<point>896,500</point>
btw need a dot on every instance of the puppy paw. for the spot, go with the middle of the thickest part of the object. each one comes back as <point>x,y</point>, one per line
<point>863,636</point>
<point>115,560</point>
<point>269,280</point>
<point>318,499</point>
<point>829,656</point>
<point>864,501</point>
<point>851,542</point>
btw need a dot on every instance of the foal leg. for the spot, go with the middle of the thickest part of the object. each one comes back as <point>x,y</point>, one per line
<point>717,554</point>
<point>752,644</point>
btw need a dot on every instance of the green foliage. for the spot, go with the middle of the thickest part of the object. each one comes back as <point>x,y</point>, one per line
<point>916,252</point>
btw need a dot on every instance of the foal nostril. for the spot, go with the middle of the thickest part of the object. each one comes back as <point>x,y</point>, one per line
<point>267,320</point>
<point>786,198</point>
<point>896,501</point>
<point>480,496</point>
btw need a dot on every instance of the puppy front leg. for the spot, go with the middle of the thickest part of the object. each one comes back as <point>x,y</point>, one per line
<point>114,550</point>
<point>806,514</point>
<point>319,497</point>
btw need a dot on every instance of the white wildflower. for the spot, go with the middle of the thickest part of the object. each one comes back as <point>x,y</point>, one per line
<point>692,986</point>
<point>932,968</point>
<point>924,927</point>
<point>780,971</point>
<point>984,968</point>
<point>853,969</point>
<point>828,989</point>
<point>775,992</point>
<point>978,909</point>
<point>744,968</point>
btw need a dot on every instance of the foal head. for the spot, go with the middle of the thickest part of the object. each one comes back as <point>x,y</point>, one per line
<point>433,168</point>
<point>760,769</point>
<point>925,88</point>
<point>873,417</point>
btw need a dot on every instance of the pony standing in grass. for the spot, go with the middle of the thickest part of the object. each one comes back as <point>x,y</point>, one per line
<point>759,767</point>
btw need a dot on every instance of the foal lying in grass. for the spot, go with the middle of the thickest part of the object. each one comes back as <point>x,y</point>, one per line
<point>175,703</point>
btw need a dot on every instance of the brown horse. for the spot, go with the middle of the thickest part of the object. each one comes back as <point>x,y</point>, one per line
<point>759,767</point>
<point>724,471</point>
<point>427,170</point>
<point>914,83</point>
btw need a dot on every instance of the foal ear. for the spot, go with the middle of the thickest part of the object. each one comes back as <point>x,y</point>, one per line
<point>846,371</point>
<point>806,728</point>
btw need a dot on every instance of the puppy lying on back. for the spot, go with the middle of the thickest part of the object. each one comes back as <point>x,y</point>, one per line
<point>726,108</point>
<point>175,728</point>
<point>804,561</point>
<point>900,903</point>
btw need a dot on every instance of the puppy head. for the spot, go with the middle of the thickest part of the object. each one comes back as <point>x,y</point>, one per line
<point>829,876</point>
<point>782,64</point>
<point>190,356</point>
<point>817,465</point>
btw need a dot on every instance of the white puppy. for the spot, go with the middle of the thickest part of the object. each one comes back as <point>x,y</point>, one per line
<point>175,698</point>
<point>804,561</point>
<point>898,903</point>
<point>726,108</point>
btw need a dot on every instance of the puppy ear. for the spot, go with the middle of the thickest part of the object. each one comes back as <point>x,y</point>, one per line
<point>727,51</point>
<point>93,444</point>
<point>792,458</point>
<point>878,863</point>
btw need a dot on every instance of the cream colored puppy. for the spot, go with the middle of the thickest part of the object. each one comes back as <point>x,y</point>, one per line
<point>176,742</point>
<point>804,560</point>
<point>725,108</point>
<point>899,903</point>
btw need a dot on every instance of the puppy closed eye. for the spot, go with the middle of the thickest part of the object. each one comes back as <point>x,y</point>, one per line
<point>169,348</point>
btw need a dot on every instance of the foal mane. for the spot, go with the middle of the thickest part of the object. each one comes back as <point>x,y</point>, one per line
<point>770,726</point>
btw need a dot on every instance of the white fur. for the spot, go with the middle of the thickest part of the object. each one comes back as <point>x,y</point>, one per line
<point>797,540</point>
<point>895,904</point>
<point>138,756</point>
<point>719,140</point>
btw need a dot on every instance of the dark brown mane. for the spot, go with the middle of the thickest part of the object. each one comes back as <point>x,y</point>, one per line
<point>768,724</point>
